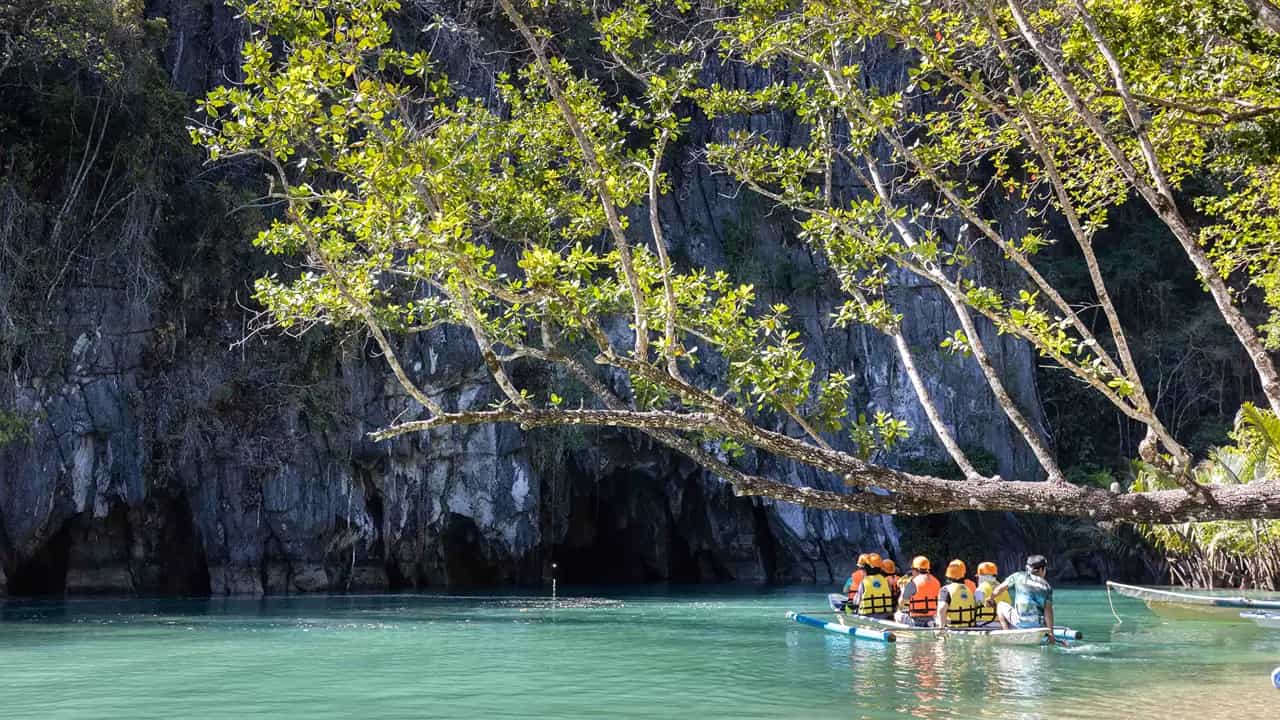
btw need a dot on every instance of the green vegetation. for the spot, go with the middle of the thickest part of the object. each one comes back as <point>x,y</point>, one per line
<point>85,116</point>
<point>1225,553</point>
<point>14,427</point>
<point>1016,124</point>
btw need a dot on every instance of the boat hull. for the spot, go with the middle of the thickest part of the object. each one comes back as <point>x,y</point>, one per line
<point>1175,611</point>
<point>1030,636</point>
<point>1189,606</point>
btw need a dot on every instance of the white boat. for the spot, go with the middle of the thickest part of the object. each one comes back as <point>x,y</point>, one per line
<point>1028,636</point>
<point>992,632</point>
<point>1263,619</point>
<point>1183,605</point>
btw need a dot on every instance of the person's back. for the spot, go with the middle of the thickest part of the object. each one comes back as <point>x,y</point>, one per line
<point>874,597</point>
<point>987,572</point>
<point>855,579</point>
<point>890,570</point>
<point>920,593</point>
<point>1030,593</point>
<point>956,604</point>
<point>1032,604</point>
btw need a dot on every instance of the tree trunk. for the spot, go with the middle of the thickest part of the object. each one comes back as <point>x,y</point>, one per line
<point>930,410</point>
<point>1266,14</point>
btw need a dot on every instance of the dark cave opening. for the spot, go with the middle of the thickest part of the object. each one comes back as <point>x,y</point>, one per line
<point>618,534</point>
<point>45,572</point>
<point>465,562</point>
<point>178,548</point>
<point>766,543</point>
<point>595,549</point>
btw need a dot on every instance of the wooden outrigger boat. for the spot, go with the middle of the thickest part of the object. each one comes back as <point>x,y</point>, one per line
<point>867,628</point>
<point>1182,605</point>
<point>991,633</point>
<point>1028,636</point>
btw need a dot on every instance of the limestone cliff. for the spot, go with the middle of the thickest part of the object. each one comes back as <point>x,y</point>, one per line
<point>162,455</point>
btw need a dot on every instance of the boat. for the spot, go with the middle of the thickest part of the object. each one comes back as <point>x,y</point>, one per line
<point>1181,605</point>
<point>1263,619</point>
<point>903,631</point>
<point>992,633</point>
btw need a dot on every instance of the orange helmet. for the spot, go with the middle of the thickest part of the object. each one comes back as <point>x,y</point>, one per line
<point>873,560</point>
<point>862,559</point>
<point>988,568</point>
<point>955,570</point>
<point>888,566</point>
<point>920,562</point>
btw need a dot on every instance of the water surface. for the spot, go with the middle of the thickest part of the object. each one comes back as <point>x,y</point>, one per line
<point>700,653</point>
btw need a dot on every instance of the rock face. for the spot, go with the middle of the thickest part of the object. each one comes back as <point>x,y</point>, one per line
<point>162,455</point>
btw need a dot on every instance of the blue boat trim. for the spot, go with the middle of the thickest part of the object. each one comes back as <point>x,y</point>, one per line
<point>855,632</point>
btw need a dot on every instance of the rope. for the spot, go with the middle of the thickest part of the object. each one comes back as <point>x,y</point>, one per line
<point>1113,606</point>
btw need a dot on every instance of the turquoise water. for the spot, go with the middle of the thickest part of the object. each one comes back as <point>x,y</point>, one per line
<point>704,653</point>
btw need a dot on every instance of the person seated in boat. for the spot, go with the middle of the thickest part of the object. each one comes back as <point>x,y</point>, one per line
<point>844,601</point>
<point>859,572</point>
<point>956,604</point>
<point>874,596</point>
<point>988,578</point>
<point>918,600</point>
<point>890,570</point>
<point>1032,605</point>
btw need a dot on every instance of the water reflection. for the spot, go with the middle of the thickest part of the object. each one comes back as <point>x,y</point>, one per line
<point>921,667</point>
<point>944,677</point>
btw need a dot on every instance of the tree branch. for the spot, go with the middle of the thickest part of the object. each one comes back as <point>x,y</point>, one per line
<point>914,494</point>
<point>1161,201</point>
<point>592,162</point>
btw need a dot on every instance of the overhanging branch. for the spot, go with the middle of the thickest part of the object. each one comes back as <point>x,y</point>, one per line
<point>899,492</point>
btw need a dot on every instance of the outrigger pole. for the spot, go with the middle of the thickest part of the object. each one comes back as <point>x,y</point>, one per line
<point>856,632</point>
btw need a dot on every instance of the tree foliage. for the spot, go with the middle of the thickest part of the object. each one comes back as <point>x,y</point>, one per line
<point>1225,553</point>
<point>530,219</point>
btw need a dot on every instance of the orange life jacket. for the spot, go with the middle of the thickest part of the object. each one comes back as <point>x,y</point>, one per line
<point>857,576</point>
<point>973,588</point>
<point>924,601</point>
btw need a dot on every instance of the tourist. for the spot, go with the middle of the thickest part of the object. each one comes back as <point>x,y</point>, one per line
<point>956,606</point>
<point>987,581</point>
<point>918,601</point>
<point>890,570</point>
<point>1032,605</point>
<point>855,579</point>
<point>874,596</point>
<point>844,601</point>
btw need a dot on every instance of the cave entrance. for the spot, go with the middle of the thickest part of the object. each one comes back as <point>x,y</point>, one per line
<point>595,550</point>
<point>621,531</point>
<point>45,572</point>
<point>465,562</point>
